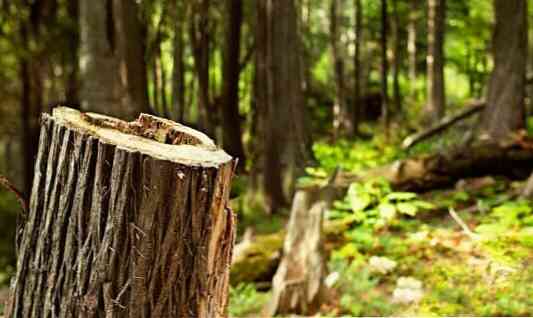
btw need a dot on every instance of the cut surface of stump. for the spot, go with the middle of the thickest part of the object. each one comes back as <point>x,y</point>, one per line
<point>125,220</point>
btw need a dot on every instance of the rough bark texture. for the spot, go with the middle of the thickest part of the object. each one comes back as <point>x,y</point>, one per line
<point>436,103</point>
<point>297,286</point>
<point>126,220</point>
<point>506,92</point>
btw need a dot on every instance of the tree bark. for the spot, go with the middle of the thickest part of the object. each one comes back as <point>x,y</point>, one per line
<point>199,35</point>
<point>358,109</point>
<point>396,60</point>
<point>505,99</point>
<point>178,70</point>
<point>230,108</point>
<point>384,67</point>
<point>100,85</point>
<point>126,220</point>
<point>130,36</point>
<point>411,42</point>
<point>436,104</point>
<point>342,123</point>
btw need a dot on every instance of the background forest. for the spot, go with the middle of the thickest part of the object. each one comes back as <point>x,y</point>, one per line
<point>416,114</point>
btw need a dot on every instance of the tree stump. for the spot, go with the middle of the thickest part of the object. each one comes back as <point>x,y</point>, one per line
<point>297,286</point>
<point>126,220</point>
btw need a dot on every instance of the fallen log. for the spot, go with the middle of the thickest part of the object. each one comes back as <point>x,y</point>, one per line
<point>125,220</point>
<point>445,123</point>
<point>512,158</point>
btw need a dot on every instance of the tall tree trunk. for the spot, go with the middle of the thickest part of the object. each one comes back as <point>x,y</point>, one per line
<point>384,67</point>
<point>178,70</point>
<point>342,123</point>
<point>230,97</point>
<point>130,35</point>
<point>436,102</point>
<point>505,99</point>
<point>358,108</point>
<point>72,84</point>
<point>411,42</point>
<point>396,60</point>
<point>100,86</point>
<point>124,226</point>
<point>199,35</point>
<point>279,98</point>
<point>28,140</point>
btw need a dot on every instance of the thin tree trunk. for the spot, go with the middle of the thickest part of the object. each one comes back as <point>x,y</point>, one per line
<point>199,34</point>
<point>100,86</point>
<point>178,70</point>
<point>411,43</point>
<point>72,84</point>
<point>230,97</point>
<point>123,226</point>
<point>358,108</point>
<point>436,102</point>
<point>384,67</point>
<point>130,35</point>
<point>397,60</point>
<point>341,121</point>
<point>505,99</point>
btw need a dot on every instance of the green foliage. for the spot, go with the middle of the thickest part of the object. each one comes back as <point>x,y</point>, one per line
<point>245,300</point>
<point>357,288</point>
<point>8,209</point>
<point>354,156</point>
<point>374,204</point>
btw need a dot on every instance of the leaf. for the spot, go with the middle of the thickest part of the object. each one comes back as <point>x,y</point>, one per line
<point>387,210</point>
<point>400,196</point>
<point>424,204</point>
<point>407,208</point>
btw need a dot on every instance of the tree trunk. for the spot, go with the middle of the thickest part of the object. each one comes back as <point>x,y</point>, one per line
<point>396,60</point>
<point>100,85</point>
<point>230,108</point>
<point>130,35</point>
<point>126,220</point>
<point>384,67</point>
<point>341,122</point>
<point>358,108</point>
<point>178,70</point>
<point>72,85</point>
<point>411,42</point>
<point>436,102</point>
<point>505,99</point>
<point>199,34</point>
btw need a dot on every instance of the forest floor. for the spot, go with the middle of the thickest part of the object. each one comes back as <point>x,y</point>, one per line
<point>463,250</point>
<point>431,263</point>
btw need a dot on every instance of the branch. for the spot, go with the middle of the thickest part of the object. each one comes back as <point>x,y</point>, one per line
<point>20,197</point>
<point>443,124</point>
<point>463,225</point>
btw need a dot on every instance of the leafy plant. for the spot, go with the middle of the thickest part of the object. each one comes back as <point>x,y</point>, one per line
<point>375,204</point>
<point>246,300</point>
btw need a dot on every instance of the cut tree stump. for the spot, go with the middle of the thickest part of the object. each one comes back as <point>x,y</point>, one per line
<point>298,285</point>
<point>125,220</point>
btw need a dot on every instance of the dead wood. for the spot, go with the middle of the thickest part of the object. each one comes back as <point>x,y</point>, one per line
<point>443,124</point>
<point>125,220</point>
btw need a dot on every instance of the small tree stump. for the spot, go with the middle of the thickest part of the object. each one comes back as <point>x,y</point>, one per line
<point>126,220</point>
<point>297,286</point>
